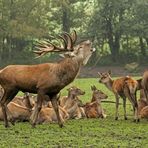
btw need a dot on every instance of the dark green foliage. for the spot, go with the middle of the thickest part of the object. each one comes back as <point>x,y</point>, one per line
<point>118,28</point>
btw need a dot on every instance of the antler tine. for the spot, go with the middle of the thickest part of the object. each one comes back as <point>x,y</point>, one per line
<point>43,48</point>
<point>69,41</point>
<point>65,42</point>
<point>56,48</point>
<point>74,36</point>
<point>46,46</point>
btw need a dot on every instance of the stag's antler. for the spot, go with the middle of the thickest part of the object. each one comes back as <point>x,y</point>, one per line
<point>74,37</point>
<point>70,39</point>
<point>46,46</point>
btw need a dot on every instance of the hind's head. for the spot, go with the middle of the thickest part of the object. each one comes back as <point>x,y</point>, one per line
<point>104,77</point>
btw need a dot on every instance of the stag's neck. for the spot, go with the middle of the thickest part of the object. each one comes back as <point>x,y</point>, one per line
<point>109,84</point>
<point>68,70</point>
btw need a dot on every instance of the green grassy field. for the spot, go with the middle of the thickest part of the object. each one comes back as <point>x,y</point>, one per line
<point>99,133</point>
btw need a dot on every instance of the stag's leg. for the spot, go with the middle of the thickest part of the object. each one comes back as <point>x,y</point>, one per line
<point>117,106</point>
<point>54,101</point>
<point>10,115</point>
<point>37,109</point>
<point>7,97</point>
<point>124,107</point>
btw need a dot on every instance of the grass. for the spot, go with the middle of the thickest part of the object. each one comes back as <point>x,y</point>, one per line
<point>102,133</point>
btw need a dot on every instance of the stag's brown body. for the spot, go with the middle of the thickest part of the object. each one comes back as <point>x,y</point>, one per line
<point>44,79</point>
<point>50,77</point>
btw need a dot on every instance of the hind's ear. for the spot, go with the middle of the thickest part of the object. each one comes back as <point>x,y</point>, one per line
<point>100,74</point>
<point>93,88</point>
<point>109,72</point>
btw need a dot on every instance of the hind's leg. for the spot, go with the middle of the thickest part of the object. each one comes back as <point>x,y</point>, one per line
<point>117,106</point>
<point>135,107</point>
<point>124,107</point>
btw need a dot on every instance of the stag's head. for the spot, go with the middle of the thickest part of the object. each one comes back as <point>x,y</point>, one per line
<point>82,51</point>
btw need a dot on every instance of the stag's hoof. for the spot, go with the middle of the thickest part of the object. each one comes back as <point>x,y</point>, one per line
<point>116,118</point>
<point>7,125</point>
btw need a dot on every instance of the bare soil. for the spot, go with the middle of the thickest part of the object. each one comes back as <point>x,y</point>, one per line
<point>91,72</point>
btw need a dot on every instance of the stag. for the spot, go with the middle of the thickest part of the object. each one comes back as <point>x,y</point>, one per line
<point>45,79</point>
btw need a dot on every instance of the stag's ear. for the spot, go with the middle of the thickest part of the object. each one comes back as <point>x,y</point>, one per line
<point>93,88</point>
<point>109,72</point>
<point>100,74</point>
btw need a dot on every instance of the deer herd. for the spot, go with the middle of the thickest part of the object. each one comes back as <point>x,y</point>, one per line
<point>48,79</point>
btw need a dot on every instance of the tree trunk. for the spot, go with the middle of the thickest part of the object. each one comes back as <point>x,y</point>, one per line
<point>65,19</point>
<point>143,52</point>
<point>113,41</point>
<point>146,39</point>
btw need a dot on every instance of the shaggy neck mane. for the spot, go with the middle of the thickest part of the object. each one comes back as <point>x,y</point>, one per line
<point>67,70</point>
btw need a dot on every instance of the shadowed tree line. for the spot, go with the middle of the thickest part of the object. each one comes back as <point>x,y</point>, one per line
<point>118,28</point>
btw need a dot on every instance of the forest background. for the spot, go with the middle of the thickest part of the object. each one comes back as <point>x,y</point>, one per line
<point>117,28</point>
